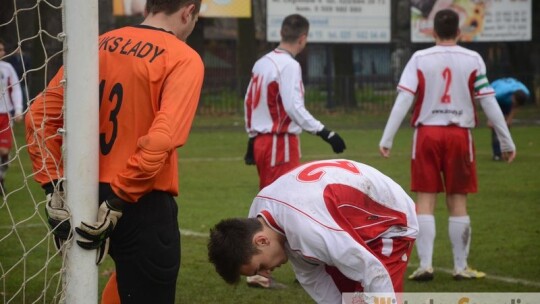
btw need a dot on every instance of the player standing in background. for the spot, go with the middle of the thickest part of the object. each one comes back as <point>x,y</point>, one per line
<point>150,83</point>
<point>446,79</point>
<point>344,226</point>
<point>10,101</point>
<point>274,109</point>
<point>510,94</point>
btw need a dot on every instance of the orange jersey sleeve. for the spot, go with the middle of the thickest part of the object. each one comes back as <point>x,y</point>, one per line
<point>43,120</point>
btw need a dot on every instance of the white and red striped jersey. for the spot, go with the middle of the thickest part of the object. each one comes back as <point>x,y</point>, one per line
<point>330,211</point>
<point>10,89</point>
<point>446,80</point>
<point>274,102</point>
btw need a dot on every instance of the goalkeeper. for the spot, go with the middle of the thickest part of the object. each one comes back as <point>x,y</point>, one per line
<point>150,84</point>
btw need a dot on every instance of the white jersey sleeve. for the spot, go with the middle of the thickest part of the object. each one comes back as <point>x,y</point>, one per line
<point>328,211</point>
<point>402,105</point>
<point>274,102</point>
<point>495,115</point>
<point>10,89</point>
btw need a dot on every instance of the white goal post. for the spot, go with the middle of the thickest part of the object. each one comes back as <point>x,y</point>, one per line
<point>81,140</point>
<point>31,269</point>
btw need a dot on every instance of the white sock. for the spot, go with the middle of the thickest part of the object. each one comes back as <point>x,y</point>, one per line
<point>459,229</point>
<point>425,239</point>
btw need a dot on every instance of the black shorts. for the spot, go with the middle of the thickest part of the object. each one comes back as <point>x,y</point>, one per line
<point>145,246</point>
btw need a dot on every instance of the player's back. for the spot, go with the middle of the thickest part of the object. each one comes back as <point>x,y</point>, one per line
<point>321,190</point>
<point>135,64</point>
<point>444,79</point>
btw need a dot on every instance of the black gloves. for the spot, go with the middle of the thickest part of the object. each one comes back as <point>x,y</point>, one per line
<point>331,137</point>
<point>97,235</point>
<point>249,159</point>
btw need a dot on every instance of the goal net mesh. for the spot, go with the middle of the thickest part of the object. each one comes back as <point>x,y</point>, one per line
<point>31,269</point>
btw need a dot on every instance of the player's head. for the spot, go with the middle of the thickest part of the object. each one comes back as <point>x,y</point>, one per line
<point>244,247</point>
<point>446,24</point>
<point>294,28</point>
<point>520,97</point>
<point>171,6</point>
<point>182,14</point>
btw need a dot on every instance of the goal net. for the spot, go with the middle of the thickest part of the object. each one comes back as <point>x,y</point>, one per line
<point>39,36</point>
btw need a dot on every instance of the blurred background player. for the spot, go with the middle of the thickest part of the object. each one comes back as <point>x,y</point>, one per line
<point>446,79</point>
<point>510,94</point>
<point>159,89</point>
<point>11,101</point>
<point>344,226</point>
<point>275,113</point>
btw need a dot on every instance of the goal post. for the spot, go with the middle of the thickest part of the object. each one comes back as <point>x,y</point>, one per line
<point>81,163</point>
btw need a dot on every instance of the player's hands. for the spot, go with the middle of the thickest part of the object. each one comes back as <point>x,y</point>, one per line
<point>509,156</point>
<point>249,158</point>
<point>97,235</point>
<point>385,152</point>
<point>58,217</point>
<point>331,137</point>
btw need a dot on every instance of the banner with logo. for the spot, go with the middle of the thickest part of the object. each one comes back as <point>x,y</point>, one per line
<point>480,20</point>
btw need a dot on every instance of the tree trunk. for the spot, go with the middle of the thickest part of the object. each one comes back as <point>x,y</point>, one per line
<point>344,83</point>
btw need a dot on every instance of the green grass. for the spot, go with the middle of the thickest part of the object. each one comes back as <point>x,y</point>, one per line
<point>215,184</point>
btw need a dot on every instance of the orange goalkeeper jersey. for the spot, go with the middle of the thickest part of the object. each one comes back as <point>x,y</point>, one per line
<point>149,85</point>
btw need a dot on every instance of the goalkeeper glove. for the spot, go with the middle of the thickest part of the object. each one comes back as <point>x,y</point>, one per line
<point>57,213</point>
<point>97,235</point>
<point>249,158</point>
<point>331,137</point>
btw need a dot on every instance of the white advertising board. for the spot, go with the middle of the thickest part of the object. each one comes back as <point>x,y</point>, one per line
<point>480,21</point>
<point>342,21</point>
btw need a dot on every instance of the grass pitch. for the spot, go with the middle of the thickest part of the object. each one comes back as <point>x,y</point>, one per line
<point>215,184</point>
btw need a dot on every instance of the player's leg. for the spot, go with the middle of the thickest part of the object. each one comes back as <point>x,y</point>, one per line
<point>145,246</point>
<point>110,292</point>
<point>495,146</point>
<point>5,147</point>
<point>275,155</point>
<point>460,178</point>
<point>426,182</point>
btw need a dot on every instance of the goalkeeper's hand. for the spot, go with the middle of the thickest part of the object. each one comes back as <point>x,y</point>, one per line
<point>97,235</point>
<point>331,137</point>
<point>249,158</point>
<point>58,216</point>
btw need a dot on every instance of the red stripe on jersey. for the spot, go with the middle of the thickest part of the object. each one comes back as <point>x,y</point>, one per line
<point>419,97</point>
<point>271,221</point>
<point>280,119</point>
<point>298,210</point>
<point>406,89</point>
<point>472,79</point>
<point>253,97</point>
<point>358,214</point>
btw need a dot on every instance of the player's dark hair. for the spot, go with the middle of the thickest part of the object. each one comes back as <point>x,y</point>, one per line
<point>520,97</point>
<point>170,6</point>
<point>446,24</point>
<point>293,27</point>
<point>231,246</point>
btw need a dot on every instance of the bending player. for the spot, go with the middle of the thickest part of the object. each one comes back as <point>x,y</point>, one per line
<point>343,225</point>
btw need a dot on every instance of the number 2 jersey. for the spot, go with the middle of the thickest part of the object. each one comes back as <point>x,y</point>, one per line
<point>332,212</point>
<point>150,84</point>
<point>446,81</point>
